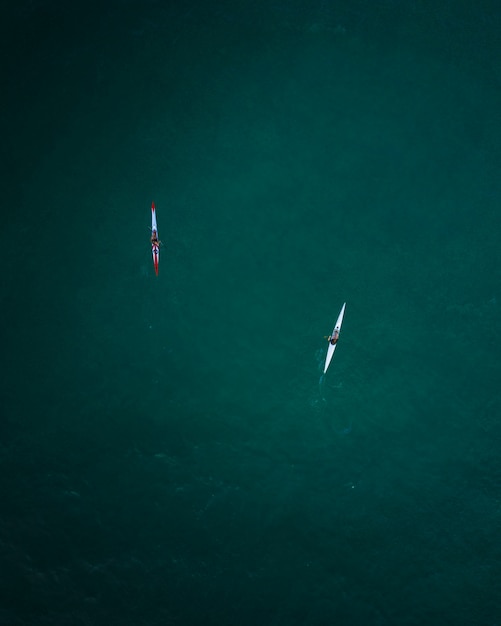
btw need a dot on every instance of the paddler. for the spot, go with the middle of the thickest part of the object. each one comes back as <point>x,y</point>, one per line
<point>333,338</point>
<point>154,239</point>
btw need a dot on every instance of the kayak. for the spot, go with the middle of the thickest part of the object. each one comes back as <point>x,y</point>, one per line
<point>332,347</point>
<point>155,249</point>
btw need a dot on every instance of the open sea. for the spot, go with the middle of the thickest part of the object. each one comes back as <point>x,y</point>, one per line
<point>170,453</point>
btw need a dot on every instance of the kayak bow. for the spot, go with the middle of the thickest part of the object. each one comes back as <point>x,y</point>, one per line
<point>332,347</point>
<point>155,248</point>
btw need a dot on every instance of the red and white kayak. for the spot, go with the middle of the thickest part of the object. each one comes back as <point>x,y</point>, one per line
<point>335,335</point>
<point>155,247</point>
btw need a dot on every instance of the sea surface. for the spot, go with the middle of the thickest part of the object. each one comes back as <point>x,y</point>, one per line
<point>170,453</point>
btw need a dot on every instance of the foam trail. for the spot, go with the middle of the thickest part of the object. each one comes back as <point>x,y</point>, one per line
<point>346,430</point>
<point>321,388</point>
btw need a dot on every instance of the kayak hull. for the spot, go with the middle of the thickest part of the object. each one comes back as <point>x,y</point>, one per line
<point>155,254</point>
<point>332,348</point>
<point>155,250</point>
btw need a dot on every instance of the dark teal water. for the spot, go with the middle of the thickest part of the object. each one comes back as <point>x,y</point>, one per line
<point>167,453</point>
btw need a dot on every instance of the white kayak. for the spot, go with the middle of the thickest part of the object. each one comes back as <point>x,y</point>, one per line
<point>335,336</point>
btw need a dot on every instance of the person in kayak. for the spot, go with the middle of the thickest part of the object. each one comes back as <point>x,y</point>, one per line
<point>154,239</point>
<point>333,338</point>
